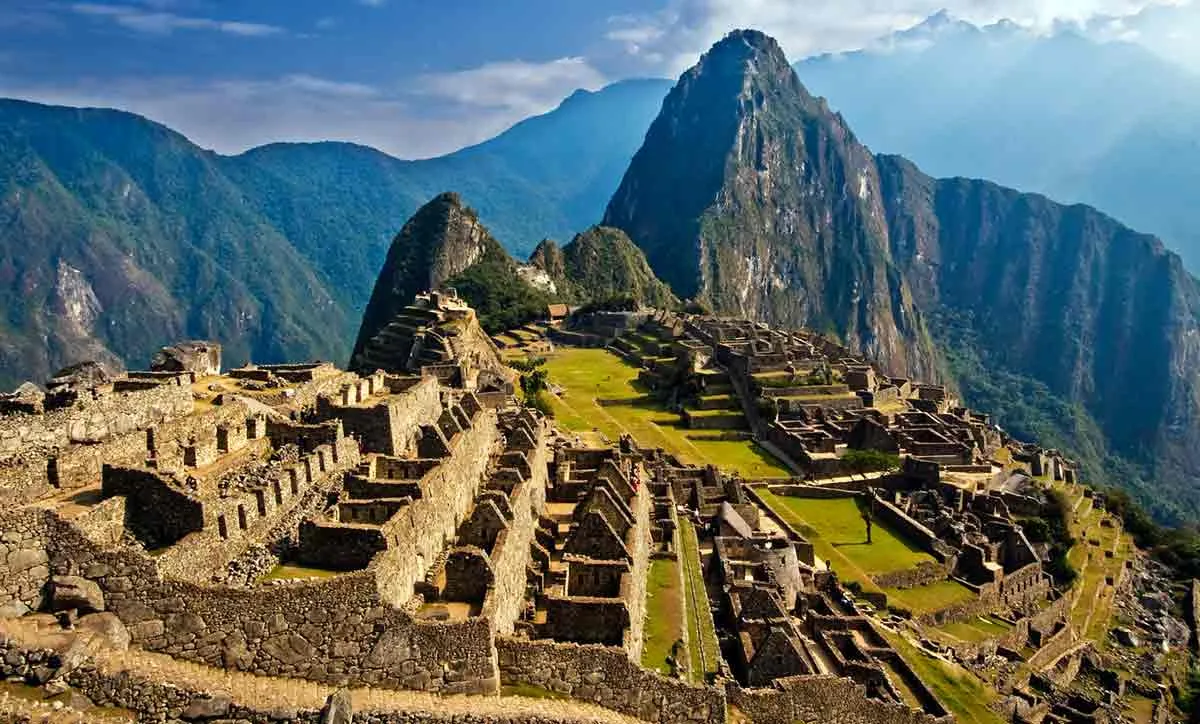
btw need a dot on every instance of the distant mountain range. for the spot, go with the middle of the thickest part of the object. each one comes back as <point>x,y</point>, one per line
<point>1107,124</point>
<point>118,234</point>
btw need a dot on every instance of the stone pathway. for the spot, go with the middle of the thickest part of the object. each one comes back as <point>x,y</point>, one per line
<point>268,693</point>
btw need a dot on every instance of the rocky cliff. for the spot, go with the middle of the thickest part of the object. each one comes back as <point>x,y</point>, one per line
<point>1102,316</point>
<point>601,263</point>
<point>752,196</point>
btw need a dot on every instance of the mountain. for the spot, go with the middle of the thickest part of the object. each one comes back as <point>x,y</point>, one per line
<point>1109,124</point>
<point>752,196</point>
<point>119,234</point>
<point>599,264</point>
<point>1072,328</point>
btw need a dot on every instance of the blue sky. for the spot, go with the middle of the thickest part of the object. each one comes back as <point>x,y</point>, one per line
<point>422,77</point>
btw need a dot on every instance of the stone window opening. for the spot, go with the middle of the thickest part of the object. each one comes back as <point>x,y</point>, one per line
<point>278,492</point>
<point>241,513</point>
<point>261,498</point>
<point>222,527</point>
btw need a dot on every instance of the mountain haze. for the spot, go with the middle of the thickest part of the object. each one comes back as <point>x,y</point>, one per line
<point>1109,124</point>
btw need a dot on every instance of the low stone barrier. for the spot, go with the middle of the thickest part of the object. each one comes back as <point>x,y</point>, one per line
<point>606,676</point>
<point>821,700</point>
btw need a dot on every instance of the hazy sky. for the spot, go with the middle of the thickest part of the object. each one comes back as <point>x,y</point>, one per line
<point>419,78</point>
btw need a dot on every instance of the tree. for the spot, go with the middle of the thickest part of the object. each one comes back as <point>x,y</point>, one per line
<point>535,383</point>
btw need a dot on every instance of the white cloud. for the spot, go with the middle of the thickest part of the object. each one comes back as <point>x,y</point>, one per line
<point>158,22</point>
<point>517,86</point>
<point>232,115</point>
<point>671,38</point>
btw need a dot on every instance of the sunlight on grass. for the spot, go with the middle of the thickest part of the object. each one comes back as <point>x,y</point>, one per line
<point>600,392</point>
<point>664,614</point>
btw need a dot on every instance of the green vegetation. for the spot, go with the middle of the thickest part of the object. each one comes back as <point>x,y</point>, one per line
<point>977,629</point>
<point>534,392</point>
<point>966,696</point>
<point>664,614</point>
<point>702,633</point>
<point>869,461</point>
<point>501,298</point>
<point>1178,548</point>
<point>600,392</point>
<point>836,528</point>
<point>603,265</point>
<point>1058,535</point>
<point>838,533</point>
<point>930,597</point>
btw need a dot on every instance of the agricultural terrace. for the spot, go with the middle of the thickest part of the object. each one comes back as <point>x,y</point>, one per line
<point>599,392</point>
<point>677,604</point>
<point>836,529</point>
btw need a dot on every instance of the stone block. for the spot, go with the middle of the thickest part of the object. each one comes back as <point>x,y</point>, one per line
<point>73,592</point>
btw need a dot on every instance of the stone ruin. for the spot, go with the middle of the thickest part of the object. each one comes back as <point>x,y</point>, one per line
<point>407,526</point>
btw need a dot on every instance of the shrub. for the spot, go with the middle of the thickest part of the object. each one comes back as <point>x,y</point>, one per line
<point>869,461</point>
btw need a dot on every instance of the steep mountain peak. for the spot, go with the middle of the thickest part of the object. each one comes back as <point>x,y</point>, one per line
<point>751,195</point>
<point>442,239</point>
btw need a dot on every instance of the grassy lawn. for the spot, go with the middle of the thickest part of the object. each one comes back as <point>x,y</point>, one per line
<point>933,597</point>
<point>836,529</point>
<point>588,375</point>
<point>699,620</point>
<point>664,614</point>
<point>960,691</point>
<point>975,630</point>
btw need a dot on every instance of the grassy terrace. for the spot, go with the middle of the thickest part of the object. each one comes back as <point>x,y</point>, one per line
<point>1093,610</point>
<point>836,530</point>
<point>591,376</point>
<point>966,696</point>
<point>665,612</point>
<point>976,630</point>
<point>706,656</point>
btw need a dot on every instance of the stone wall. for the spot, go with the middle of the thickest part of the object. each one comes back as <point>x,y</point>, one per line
<point>418,533</point>
<point>606,676</point>
<point>510,556</point>
<point>155,700</point>
<point>330,630</point>
<point>241,519</point>
<point>921,575</point>
<point>387,425</point>
<point>29,443</point>
<point>820,700</point>
<point>641,504</point>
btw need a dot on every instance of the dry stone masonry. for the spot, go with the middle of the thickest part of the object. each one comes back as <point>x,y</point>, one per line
<point>410,527</point>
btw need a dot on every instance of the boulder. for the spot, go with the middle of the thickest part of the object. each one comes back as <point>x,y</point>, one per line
<point>107,628</point>
<point>209,706</point>
<point>13,609</point>
<point>338,708</point>
<point>200,358</point>
<point>82,375</point>
<point>67,592</point>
